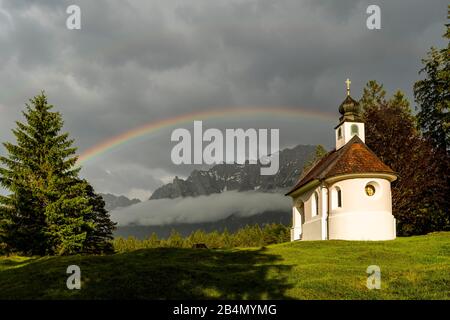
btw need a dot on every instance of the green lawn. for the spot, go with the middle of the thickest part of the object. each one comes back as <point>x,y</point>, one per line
<point>411,268</point>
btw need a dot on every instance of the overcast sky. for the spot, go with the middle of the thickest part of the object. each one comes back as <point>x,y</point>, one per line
<point>135,62</point>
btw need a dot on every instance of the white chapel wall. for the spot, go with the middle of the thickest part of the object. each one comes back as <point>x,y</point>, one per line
<point>362,217</point>
<point>312,228</point>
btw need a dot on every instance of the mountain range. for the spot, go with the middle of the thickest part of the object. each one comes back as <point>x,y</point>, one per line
<point>240,177</point>
<point>114,202</point>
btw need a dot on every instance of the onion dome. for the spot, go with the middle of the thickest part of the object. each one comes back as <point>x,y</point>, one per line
<point>349,108</point>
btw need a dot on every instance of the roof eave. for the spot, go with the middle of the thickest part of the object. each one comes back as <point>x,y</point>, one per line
<point>391,176</point>
<point>341,122</point>
<point>306,187</point>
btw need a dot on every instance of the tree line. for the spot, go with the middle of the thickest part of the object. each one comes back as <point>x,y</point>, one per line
<point>248,236</point>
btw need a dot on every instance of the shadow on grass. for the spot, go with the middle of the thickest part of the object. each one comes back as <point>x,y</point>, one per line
<point>163,273</point>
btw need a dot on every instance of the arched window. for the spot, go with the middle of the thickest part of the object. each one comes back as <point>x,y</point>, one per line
<point>337,198</point>
<point>339,133</point>
<point>315,204</point>
<point>354,129</point>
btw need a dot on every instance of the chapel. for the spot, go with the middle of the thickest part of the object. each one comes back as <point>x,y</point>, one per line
<point>346,194</point>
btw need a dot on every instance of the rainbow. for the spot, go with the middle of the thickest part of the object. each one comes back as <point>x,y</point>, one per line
<point>128,136</point>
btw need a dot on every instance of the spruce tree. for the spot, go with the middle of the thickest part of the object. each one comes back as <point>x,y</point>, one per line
<point>373,95</point>
<point>48,210</point>
<point>98,239</point>
<point>319,153</point>
<point>432,95</point>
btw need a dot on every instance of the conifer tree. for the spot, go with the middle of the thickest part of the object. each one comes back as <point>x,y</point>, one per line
<point>226,239</point>
<point>373,95</point>
<point>319,153</point>
<point>432,94</point>
<point>49,209</point>
<point>98,239</point>
<point>153,240</point>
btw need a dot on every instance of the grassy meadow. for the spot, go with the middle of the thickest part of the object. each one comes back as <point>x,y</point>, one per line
<point>411,268</point>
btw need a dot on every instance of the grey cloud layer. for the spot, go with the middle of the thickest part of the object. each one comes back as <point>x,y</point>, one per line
<point>200,209</point>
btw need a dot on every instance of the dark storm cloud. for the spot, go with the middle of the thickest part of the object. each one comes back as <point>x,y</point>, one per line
<point>134,62</point>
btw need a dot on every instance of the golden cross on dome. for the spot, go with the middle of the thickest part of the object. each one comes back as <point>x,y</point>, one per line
<point>348,82</point>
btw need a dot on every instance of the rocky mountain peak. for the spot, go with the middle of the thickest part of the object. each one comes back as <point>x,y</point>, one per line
<point>241,177</point>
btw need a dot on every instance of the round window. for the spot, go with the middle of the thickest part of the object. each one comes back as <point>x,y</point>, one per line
<point>370,190</point>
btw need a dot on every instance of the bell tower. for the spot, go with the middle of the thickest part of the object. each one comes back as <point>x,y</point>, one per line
<point>350,122</point>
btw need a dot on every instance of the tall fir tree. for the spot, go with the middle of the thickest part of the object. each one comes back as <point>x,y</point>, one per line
<point>419,194</point>
<point>319,153</point>
<point>49,209</point>
<point>373,95</point>
<point>432,95</point>
<point>98,239</point>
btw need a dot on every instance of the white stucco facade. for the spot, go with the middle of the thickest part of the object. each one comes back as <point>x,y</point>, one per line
<point>308,212</point>
<point>362,217</point>
<point>359,216</point>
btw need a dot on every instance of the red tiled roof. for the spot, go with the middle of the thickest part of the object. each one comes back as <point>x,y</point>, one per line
<point>354,157</point>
